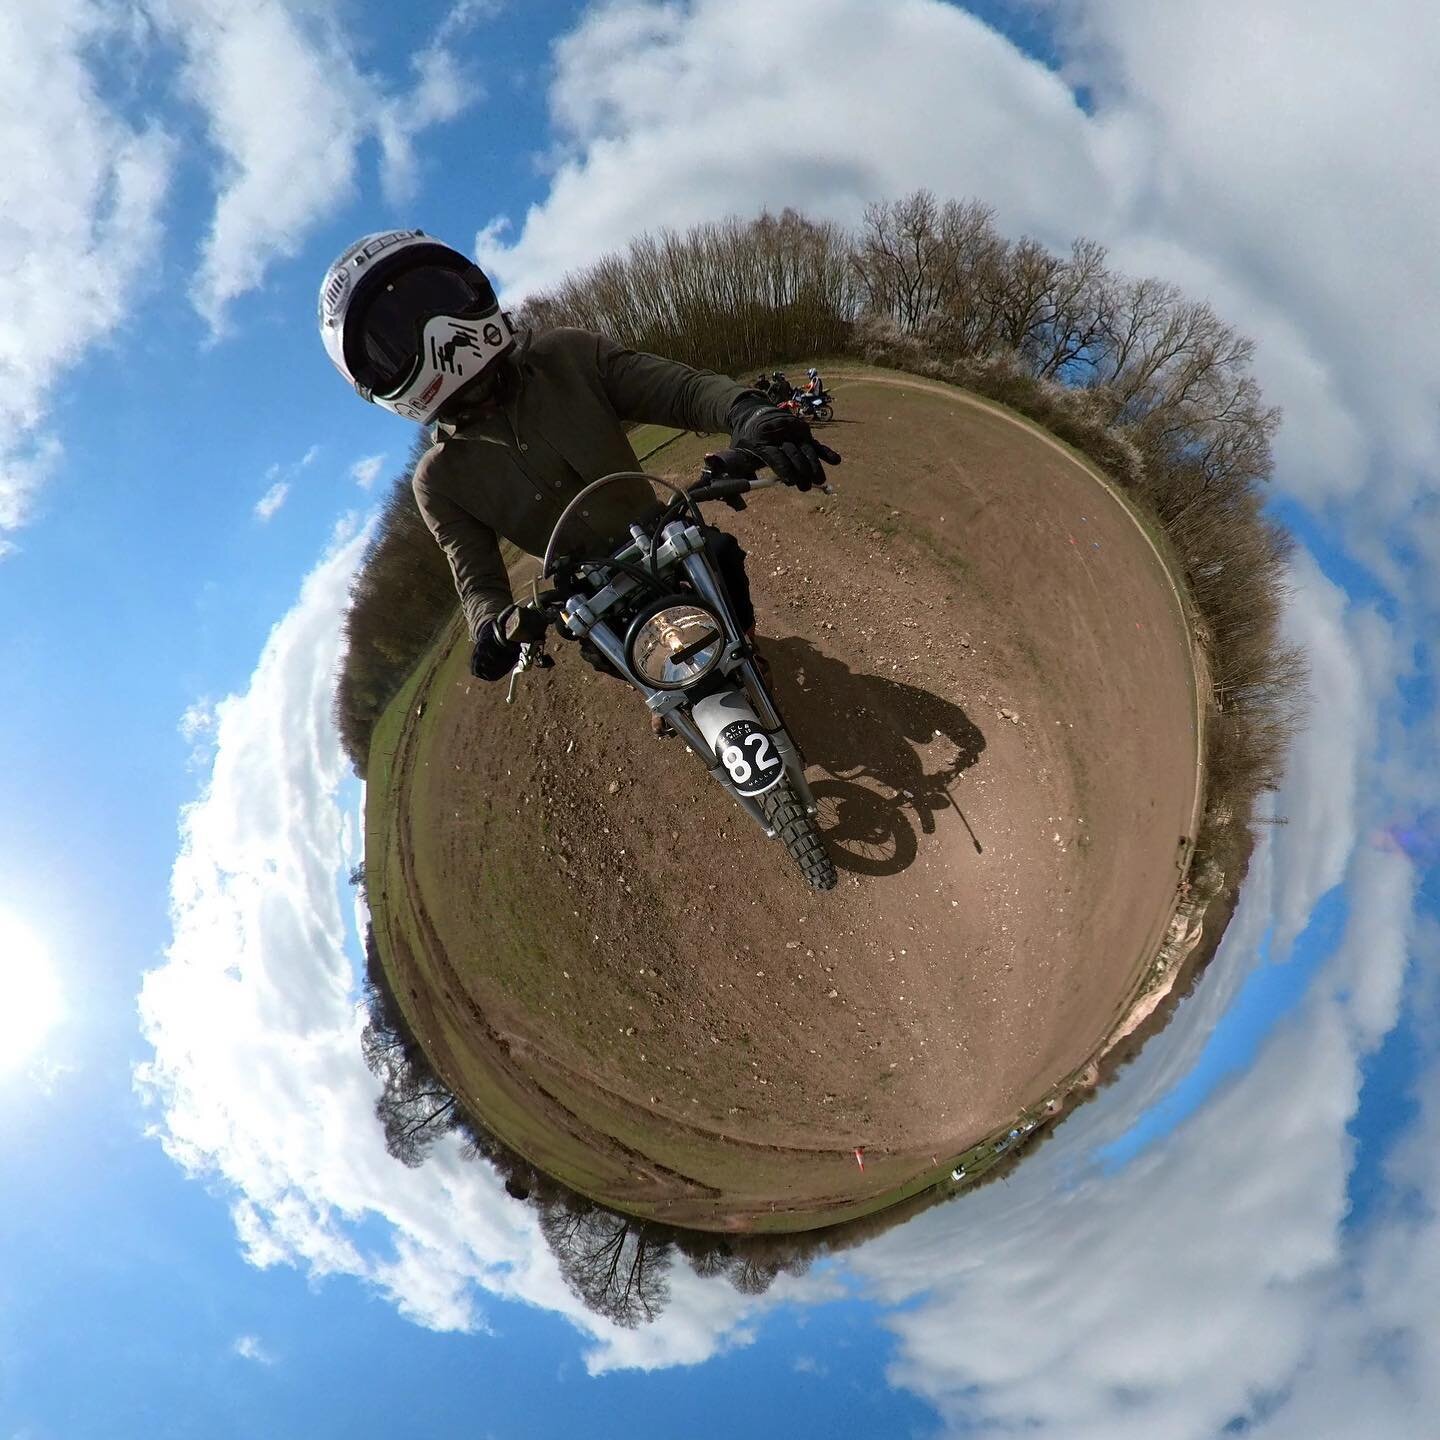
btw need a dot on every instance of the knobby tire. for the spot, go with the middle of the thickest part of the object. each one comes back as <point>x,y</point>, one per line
<point>796,830</point>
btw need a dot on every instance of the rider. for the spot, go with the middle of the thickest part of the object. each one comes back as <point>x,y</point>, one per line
<point>522,420</point>
<point>780,388</point>
<point>814,386</point>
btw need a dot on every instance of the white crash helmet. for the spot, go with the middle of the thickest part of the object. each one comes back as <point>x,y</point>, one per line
<point>812,372</point>
<point>410,322</point>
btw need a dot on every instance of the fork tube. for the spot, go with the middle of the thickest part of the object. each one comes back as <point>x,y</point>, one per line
<point>795,768</point>
<point>689,732</point>
<point>697,566</point>
<point>765,710</point>
<point>609,644</point>
<point>752,808</point>
<point>770,717</point>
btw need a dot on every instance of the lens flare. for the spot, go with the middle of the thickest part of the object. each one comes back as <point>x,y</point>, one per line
<point>31,989</point>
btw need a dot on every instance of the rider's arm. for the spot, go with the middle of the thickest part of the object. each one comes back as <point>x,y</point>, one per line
<point>472,550</point>
<point>656,391</point>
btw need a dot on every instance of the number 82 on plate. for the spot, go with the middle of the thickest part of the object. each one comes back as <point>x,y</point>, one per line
<point>748,757</point>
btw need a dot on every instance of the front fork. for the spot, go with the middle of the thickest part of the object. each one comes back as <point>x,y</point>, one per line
<point>670,704</point>
<point>770,718</point>
<point>766,711</point>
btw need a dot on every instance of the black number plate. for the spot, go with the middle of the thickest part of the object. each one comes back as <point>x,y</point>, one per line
<point>748,756</point>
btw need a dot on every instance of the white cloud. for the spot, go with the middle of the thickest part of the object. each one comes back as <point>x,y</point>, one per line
<point>253,1017</point>
<point>249,1347</point>
<point>1274,132</point>
<point>365,471</point>
<point>1166,1299</point>
<point>443,89</point>
<point>198,719</point>
<point>282,475</point>
<point>290,163</point>
<point>1320,795</point>
<point>271,500</point>
<point>646,136</point>
<point>197,729</point>
<point>81,191</point>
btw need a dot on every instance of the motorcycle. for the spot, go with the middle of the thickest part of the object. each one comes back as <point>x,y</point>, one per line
<point>657,611</point>
<point>810,407</point>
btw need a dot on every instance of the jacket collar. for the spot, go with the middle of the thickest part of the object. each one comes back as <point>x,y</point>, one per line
<point>518,366</point>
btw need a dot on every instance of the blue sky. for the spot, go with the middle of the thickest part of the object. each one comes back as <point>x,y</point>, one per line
<point>186,1245</point>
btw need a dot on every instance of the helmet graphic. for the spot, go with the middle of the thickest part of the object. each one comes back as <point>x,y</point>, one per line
<point>410,322</point>
<point>812,372</point>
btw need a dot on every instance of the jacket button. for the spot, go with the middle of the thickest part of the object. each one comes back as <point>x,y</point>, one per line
<point>558,484</point>
<point>538,496</point>
<point>523,445</point>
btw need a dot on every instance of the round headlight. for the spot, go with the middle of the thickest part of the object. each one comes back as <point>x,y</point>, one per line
<point>675,645</point>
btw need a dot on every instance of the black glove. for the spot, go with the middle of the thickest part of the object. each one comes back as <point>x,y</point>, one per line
<point>781,440</point>
<point>492,658</point>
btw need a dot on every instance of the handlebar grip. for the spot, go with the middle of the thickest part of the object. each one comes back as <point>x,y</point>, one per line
<point>523,625</point>
<point>731,465</point>
<point>720,489</point>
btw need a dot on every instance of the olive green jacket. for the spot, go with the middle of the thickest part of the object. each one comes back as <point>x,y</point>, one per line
<point>510,471</point>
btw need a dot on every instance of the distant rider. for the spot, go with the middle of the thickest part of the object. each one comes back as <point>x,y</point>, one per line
<point>523,420</point>
<point>814,386</point>
<point>781,389</point>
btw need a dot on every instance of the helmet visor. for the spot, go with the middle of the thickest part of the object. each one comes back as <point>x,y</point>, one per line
<point>392,325</point>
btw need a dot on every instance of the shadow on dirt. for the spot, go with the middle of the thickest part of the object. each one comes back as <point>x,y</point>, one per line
<point>869,733</point>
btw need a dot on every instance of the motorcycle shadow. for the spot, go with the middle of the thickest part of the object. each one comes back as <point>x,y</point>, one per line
<point>867,732</point>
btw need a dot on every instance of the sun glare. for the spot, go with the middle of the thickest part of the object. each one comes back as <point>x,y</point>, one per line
<point>30,987</point>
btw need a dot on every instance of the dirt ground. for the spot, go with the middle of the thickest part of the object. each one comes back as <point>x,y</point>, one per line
<point>633,988</point>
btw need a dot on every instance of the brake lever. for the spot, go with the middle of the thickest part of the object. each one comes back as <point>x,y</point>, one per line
<point>531,656</point>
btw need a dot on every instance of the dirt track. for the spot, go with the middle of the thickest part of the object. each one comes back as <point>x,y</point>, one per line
<point>622,975</point>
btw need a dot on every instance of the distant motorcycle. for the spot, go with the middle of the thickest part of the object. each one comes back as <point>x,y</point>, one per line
<point>810,407</point>
<point>657,610</point>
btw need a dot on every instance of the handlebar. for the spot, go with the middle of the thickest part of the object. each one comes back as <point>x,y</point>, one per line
<point>726,488</point>
<point>714,484</point>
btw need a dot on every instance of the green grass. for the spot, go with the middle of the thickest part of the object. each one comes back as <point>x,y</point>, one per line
<point>645,440</point>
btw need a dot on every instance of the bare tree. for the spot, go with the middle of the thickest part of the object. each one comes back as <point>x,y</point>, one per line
<point>617,1265</point>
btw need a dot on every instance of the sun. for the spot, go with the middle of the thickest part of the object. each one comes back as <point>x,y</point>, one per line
<point>30,987</point>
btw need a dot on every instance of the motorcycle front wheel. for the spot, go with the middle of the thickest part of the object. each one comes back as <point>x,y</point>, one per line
<point>796,830</point>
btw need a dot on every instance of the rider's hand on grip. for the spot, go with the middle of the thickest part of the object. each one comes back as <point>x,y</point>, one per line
<point>493,656</point>
<point>781,440</point>
<point>521,625</point>
<point>732,464</point>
